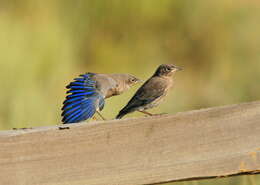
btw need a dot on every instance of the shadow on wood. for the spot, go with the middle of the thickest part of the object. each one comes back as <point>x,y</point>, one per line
<point>213,142</point>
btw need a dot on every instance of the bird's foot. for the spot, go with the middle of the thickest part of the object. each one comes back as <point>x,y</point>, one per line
<point>150,114</point>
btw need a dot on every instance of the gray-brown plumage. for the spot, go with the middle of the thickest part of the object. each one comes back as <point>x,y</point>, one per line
<point>152,92</point>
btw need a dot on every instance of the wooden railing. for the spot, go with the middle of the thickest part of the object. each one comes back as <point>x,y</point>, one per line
<point>207,143</point>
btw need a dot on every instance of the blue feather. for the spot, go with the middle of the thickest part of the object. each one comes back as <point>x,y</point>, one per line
<point>68,106</point>
<point>87,75</point>
<point>77,83</point>
<point>75,91</point>
<point>79,79</point>
<point>84,75</point>
<point>87,110</point>
<point>82,102</point>
<point>87,113</point>
<point>80,94</point>
<point>72,99</point>
<point>73,114</point>
<point>67,112</point>
<point>79,87</point>
<point>72,119</point>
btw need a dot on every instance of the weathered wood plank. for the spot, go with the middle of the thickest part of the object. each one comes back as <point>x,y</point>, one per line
<point>211,142</point>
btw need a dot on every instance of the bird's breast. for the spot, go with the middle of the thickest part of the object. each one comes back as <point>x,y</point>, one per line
<point>169,83</point>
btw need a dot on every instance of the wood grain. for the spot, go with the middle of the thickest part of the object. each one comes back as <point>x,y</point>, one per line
<point>213,142</point>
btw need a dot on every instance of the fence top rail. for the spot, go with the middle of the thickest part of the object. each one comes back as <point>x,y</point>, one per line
<point>206,143</point>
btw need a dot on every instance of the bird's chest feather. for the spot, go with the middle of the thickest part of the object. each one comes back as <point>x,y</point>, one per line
<point>165,86</point>
<point>169,85</point>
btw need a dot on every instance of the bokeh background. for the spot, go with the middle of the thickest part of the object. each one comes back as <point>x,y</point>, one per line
<point>45,44</point>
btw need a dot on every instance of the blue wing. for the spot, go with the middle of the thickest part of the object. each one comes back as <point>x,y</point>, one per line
<point>83,99</point>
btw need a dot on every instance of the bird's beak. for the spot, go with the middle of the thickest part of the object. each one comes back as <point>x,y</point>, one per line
<point>178,68</point>
<point>140,81</point>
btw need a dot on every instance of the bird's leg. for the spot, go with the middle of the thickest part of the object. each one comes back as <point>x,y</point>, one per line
<point>100,115</point>
<point>147,113</point>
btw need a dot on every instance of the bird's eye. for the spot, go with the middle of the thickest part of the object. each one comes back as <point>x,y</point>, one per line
<point>168,69</point>
<point>133,80</point>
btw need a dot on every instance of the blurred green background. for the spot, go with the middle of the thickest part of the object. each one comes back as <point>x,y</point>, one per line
<point>45,44</point>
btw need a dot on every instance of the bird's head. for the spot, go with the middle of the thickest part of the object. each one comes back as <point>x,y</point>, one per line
<point>131,80</point>
<point>125,81</point>
<point>166,70</point>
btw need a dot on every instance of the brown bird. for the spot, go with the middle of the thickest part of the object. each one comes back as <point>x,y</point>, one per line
<point>152,92</point>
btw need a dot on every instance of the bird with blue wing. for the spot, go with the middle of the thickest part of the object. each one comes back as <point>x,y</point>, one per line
<point>152,92</point>
<point>88,92</point>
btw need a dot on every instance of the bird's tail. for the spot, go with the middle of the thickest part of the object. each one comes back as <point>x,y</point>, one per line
<point>83,101</point>
<point>124,111</point>
<point>121,114</point>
